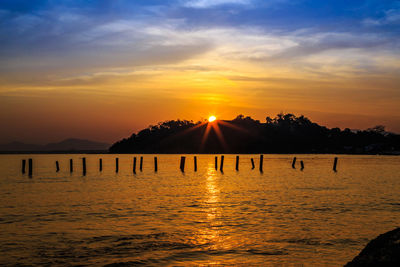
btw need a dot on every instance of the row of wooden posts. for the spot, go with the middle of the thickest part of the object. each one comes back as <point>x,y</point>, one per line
<point>181,166</point>
<point>335,161</point>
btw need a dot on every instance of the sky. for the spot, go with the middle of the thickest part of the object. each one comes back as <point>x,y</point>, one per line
<point>103,69</point>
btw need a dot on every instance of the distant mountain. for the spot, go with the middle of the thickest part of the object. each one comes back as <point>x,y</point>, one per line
<point>67,145</point>
<point>76,144</point>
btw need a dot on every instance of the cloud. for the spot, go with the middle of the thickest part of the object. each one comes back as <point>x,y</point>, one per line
<point>391,17</point>
<point>212,3</point>
<point>316,43</point>
<point>69,43</point>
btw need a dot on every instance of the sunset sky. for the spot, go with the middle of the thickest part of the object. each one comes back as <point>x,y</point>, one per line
<point>102,70</point>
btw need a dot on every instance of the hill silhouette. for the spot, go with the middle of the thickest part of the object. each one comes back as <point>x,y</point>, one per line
<point>286,133</point>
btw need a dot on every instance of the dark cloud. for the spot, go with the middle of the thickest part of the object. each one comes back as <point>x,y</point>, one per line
<point>315,44</point>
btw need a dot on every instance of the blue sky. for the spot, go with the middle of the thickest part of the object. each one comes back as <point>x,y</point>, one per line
<point>32,20</point>
<point>325,59</point>
<point>48,26</point>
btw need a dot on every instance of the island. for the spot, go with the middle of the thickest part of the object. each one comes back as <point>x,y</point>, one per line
<point>285,133</point>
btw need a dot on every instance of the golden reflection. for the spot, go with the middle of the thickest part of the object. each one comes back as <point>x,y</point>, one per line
<point>213,193</point>
<point>210,233</point>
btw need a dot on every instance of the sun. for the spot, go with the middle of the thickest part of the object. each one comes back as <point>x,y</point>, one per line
<point>211,118</point>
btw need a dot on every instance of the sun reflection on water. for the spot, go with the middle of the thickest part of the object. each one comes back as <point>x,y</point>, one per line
<point>213,194</point>
<point>210,232</point>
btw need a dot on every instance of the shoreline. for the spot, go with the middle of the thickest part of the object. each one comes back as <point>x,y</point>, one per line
<point>397,153</point>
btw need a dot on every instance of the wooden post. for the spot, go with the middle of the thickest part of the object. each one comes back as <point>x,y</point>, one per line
<point>57,166</point>
<point>30,167</point>
<point>23,166</point>
<point>71,166</point>
<point>335,164</point>
<point>134,165</point>
<point>252,164</point>
<point>182,166</point>
<point>221,167</point>
<point>216,162</point>
<point>302,165</point>
<point>84,166</point>
<point>261,162</point>
<point>294,163</point>
<point>237,163</point>
<point>101,165</point>
<point>116,164</point>
<point>195,163</point>
<point>155,164</point>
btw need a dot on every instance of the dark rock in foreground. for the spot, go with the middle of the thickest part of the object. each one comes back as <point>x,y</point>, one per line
<point>382,251</point>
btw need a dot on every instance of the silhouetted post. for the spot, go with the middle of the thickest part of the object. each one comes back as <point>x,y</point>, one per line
<point>155,164</point>
<point>335,164</point>
<point>30,167</point>
<point>141,163</point>
<point>216,162</point>
<point>252,164</point>
<point>84,166</point>
<point>23,166</point>
<point>101,165</point>
<point>134,165</point>
<point>195,163</point>
<point>221,167</point>
<point>261,162</point>
<point>116,164</point>
<point>182,166</point>
<point>71,166</point>
<point>237,163</point>
<point>302,165</point>
<point>294,163</point>
<point>57,166</point>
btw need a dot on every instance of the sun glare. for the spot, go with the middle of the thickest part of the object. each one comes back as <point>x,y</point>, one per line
<point>211,118</point>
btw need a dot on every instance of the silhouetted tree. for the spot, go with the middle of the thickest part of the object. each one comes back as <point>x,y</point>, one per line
<point>285,133</point>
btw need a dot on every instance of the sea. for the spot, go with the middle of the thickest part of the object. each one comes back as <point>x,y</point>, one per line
<point>282,216</point>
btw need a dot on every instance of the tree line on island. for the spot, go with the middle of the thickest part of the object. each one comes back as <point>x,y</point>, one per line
<point>286,133</point>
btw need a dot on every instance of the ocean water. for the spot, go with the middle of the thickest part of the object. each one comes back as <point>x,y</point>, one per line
<point>281,217</point>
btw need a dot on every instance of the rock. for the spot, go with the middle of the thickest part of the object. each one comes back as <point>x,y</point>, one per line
<point>382,251</point>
